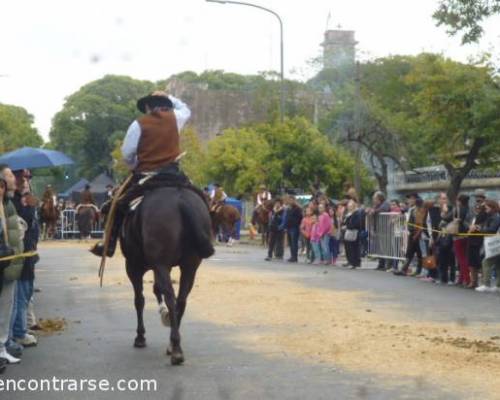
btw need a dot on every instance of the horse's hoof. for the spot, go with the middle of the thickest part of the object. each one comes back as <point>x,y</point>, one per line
<point>165,317</point>
<point>177,358</point>
<point>140,343</point>
<point>169,350</point>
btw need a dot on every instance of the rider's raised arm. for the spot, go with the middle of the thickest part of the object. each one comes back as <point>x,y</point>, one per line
<point>181,111</point>
<point>130,144</point>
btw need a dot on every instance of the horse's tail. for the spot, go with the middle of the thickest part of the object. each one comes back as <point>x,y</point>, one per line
<point>197,220</point>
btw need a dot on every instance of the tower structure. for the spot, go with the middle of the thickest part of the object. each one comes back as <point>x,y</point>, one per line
<point>339,49</point>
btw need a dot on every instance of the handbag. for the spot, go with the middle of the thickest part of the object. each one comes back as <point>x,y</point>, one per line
<point>429,262</point>
<point>351,235</point>
<point>453,227</point>
<point>491,246</point>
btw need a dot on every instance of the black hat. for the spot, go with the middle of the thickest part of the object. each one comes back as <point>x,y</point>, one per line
<point>153,100</point>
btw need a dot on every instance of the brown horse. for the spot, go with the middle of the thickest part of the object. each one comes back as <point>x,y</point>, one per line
<point>49,214</point>
<point>171,227</point>
<point>224,220</point>
<point>261,219</point>
<point>87,215</point>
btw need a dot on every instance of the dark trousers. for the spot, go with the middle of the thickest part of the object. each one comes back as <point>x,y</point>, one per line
<point>276,244</point>
<point>446,262</point>
<point>353,253</point>
<point>293,241</point>
<point>413,248</point>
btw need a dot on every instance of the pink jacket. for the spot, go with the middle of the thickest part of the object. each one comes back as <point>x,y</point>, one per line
<point>325,224</point>
<point>315,233</point>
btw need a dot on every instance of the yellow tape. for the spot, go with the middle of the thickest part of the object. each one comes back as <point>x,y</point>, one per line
<point>458,234</point>
<point>20,255</point>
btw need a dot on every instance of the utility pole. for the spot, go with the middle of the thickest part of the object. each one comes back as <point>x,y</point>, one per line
<point>357,128</point>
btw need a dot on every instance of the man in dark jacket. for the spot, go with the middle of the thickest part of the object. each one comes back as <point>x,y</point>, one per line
<point>291,224</point>
<point>276,232</point>
<point>25,204</point>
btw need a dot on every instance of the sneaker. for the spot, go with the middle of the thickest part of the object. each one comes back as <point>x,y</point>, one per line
<point>267,259</point>
<point>451,283</point>
<point>8,358</point>
<point>495,290</point>
<point>27,341</point>
<point>14,349</point>
<point>483,289</point>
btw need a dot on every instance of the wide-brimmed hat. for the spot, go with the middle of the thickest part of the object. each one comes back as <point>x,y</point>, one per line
<point>153,100</point>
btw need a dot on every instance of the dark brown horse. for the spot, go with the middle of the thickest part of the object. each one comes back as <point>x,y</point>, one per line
<point>87,215</point>
<point>171,227</point>
<point>261,219</point>
<point>49,214</point>
<point>224,220</point>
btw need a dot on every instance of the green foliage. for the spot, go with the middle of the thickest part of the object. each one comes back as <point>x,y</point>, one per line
<point>292,154</point>
<point>16,129</point>
<point>94,118</point>
<point>194,161</point>
<point>466,16</point>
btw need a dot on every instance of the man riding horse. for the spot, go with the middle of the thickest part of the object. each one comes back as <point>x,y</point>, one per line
<point>217,198</point>
<point>151,144</point>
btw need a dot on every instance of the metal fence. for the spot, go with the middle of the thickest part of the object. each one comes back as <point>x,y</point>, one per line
<point>68,226</point>
<point>387,235</point>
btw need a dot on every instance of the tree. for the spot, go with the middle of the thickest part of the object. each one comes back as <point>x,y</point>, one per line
<point>16,129</point>
<point>458,120</point>
<point>292,154</point>
<point>194,161</point>
<point>94,118</point>
<point>466,16</point>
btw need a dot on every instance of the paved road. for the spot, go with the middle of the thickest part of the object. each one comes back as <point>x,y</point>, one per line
<point>101,325</point>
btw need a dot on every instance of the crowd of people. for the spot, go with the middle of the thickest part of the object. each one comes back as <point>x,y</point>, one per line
<point>19,233</point>
<point>444,241</point>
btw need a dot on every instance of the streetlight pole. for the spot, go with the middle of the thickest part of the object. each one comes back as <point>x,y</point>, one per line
<point>282,71</point>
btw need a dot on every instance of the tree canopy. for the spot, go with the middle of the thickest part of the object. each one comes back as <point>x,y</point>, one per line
<point>16,129</point>
<point>466,16</point>
<point>94,118</point>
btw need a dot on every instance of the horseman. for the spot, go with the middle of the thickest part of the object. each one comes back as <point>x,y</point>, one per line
<point>218,198</point>
<point>263,195</point>
<point>152,144</point>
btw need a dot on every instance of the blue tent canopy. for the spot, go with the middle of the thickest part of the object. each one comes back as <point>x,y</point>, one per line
<point>31,158</point>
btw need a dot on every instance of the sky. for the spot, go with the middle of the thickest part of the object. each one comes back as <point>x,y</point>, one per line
<point>50,48</point>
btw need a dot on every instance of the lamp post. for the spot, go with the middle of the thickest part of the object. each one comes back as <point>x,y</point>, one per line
<point>282,73</point>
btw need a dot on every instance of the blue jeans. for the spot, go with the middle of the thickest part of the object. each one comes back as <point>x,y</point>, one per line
<point>22,297</point>
<point>316,247</point>
<point>325,248</point>
<point>293,241</point>
<point>334,247</point>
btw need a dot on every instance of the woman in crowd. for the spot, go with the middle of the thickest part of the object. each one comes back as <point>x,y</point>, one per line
<point>315,240</point>
<point>490,226</point>
<point>475,242</point>
<point>324,226</point>
<point>334,236</point>
<point>305,230</point>
<point>352,224</point>
<point>444,242</point>
<point>463,218</point>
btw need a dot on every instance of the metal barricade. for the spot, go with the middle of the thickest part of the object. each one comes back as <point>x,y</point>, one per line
<point>68,226</point>
<point>387,235</point>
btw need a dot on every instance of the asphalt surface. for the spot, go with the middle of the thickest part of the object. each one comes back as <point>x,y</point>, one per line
<point>97,343</point>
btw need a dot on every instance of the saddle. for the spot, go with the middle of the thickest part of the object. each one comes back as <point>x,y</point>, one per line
<point>143,183</point>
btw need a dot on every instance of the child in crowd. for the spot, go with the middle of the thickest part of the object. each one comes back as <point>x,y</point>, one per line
<point>315,241</point>
<point>305,230</point>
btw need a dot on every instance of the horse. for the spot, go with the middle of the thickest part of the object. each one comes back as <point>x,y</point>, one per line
<point>171,227</point>
<point>87,215</point>
<point>49,214</point>
<point>224,220</point>
<point>261,219</point>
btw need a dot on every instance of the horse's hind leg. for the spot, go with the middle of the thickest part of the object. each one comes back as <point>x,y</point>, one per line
<point>189,267</point>
<point>135,274</point>
<point>163,284</point>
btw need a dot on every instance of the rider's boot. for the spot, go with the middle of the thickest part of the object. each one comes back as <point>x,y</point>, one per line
<point>98,248</point>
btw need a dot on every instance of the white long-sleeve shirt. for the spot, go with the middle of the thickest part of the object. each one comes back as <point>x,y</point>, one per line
<point>133,136</point>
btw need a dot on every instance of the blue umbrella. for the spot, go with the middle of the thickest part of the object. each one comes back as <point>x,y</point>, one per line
<point>30,158</point>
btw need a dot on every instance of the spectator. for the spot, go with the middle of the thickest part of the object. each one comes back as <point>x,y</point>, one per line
<point>324,226</point>
<point>291,223</point>
<point>416,221</point>
<point>276,233</point>
<point>475,241</point>
<point>315,240</point>
<point>463,217</point>
<point>352,224</point>
<point>490,226</point>
<point>444,242</point>
<point>395,207</point>
<point>25,204</point>
<point>305,230</point>
<point>334,236</point>
<point>11,271</point>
